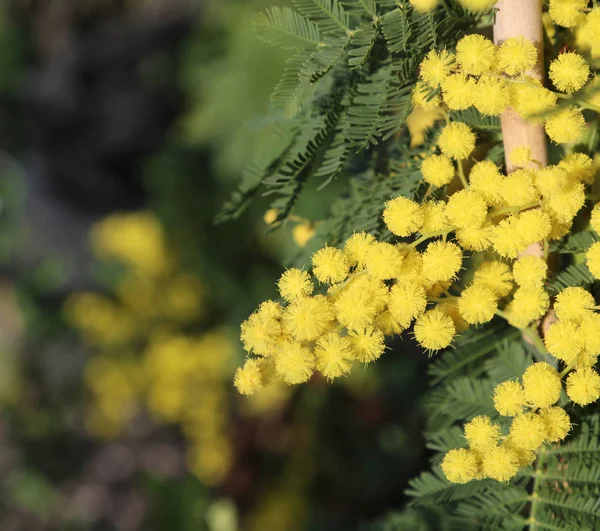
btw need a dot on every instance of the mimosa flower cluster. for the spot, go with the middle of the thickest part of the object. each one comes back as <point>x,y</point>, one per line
<point>493,78</point>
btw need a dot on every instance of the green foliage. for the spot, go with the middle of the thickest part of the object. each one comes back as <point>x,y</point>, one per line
<point>345,95</point>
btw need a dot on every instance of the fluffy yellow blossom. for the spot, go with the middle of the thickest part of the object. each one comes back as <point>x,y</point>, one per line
<point>475,54</point>
<point>551,180</point>
<point>424,6</point>
<point>358,304</point>
<point>494,275</point>
<point>491,96</point>
<point>422,96</point>
<point>567,13</point>
<point>528,304</point>
<point>357,247</point>
<point>294,362</point>
<point>482,434</point>
<point>441,261</point>
<point>486,180</point>
<point>532,101</point>
<point>500,463</point>
<point>573,304</point>
<point>260,332</point>
<point>330,265</point>
<point>595,219</point>
<point>579,167</point>
<point>434,330</point>
<point>564,205</point>
<point>434,216</point>
<point>307,318</point>
<point>457,140</point>
<point>383,261</point>
<point>475,238</point>
<point>412,266</point>
<point>270,216</point>
<point>478,5</point>
<point>389,325</point>
<point>248,379</point>
<point>521,156</point>
<point>564,341</point>
<point>516,55</point>
<point>477,304</point>
<point>583,386</point>
<point>509,398</point>
<point>368,344</point>
<point>557,422</point>
<point>303,233</point>
<point>407,301</point>
<point>592,257</point>
<point>559,229</point>
<point>530,271</point>
<point>459,465</point>
<point>589,31</point>
<point>458,91</point>
<point>450,308</point>
<point>295,283</point>
<point>436,67</point>
<point>528,431</point>
<point>524,457</point>
<point>565,126</point>
<point>518,188</point>
<point>569,72</point>
<point>334,355</point>
<point>533,225</point>
<point>437,170</point>
<point>402,216</point>
<point>466,209</point>
<point>588,328</point>
<point>506,238</point>
<point>542,384</point>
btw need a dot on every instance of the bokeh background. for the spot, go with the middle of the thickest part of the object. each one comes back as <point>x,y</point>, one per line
<point>124,126</point>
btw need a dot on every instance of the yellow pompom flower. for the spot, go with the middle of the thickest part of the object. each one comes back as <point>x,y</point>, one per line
<point>542,384</point>
<point>494,275</point>
<point>564,341</point>
<point>437,170</point>
<point>334,355</point>
<point>583,386</point>
<point>551,180</point>
<point>565,126</point>
<point>595,219</point>
<point>589,31</point>
<point>557,422</point>
<point>588,328</point>
<point>459,465</point>
<point>441,261</point>
<point>407,301</point>
<point>518,188</point>
<point>386,322</point>
<point>424,6</point>
<point>330,265</point>
<point>565,204</point>
<point>412,266</point>
<point>567,13</point>
<point>500,463</point>
<point>486,180</point>
<point>368,344</point>
<point>478,6</point>
<point>457,140</point>
<point>532,101</point>
<point>516,55</point>
<point>533,225</point>
<point>475,238</point>
<point>573,304</point>
<point>357,247</point>
<point>482,434</point>
<point>434,216</point>
<point>248,379</point>
<point>509,398</point>
<point>528,431</point>
<point>530,271</point>
<point>260,333</point>
<point>475,54</point>
<point>521,156</point>
<point>355,307</point>
<point>506,238</point>
<point>528,304</point>
<point>569,72</point>
<point>434,330</point>
<point>450,308</point>
<point>294,362</point>
<point>307,318</point>
<point>303,233</point>
<point>592,258</point>
<point>423,97</point>
<point>383,261</point>
<point>458,91</point>
<point>402,216</point>
<point>491,96</point>
<point>466,209</point>
<point>477,304</point>
<point>579,167</point>
<point>271,309</point>
<point>524,457</point>
<point>436,67</point>
<point>295,283</point>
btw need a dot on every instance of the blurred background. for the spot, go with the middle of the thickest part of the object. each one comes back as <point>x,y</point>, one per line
<point>124,125</point>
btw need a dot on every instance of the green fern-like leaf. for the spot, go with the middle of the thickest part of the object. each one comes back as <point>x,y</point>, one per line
<point>362,42</point>
<point>329,15</point>
<point>574,275</point>
<point>284,27</point>
<point>396,29</point>
<point>510,361</point>
<point>476,120</point>
<point>577,242</point>
<point>362,7</point>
